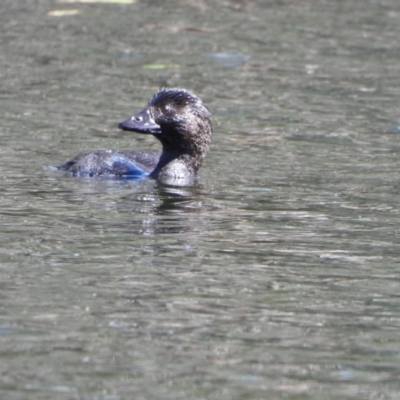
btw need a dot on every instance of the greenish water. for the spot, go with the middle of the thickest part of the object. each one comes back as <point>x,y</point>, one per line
<point>275,276</point>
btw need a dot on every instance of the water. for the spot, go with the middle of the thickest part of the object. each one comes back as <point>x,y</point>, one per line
<point>274,276</point>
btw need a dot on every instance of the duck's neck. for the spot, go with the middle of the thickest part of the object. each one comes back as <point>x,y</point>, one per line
<point>176,165</point>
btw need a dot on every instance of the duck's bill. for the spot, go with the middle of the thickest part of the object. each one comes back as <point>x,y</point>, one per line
<point>142,122</point>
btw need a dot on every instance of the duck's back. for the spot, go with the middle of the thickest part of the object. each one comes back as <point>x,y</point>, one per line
<point>119,163</point>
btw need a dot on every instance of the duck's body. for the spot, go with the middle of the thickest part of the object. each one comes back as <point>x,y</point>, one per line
<point>118,163</point>
<point>179,120</point>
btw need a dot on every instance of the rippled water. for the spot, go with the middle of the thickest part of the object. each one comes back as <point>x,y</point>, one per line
<point>275,276</point>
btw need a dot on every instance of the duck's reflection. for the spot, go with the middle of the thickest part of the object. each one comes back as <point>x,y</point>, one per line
<point>178,200</point>
<point>144,208</point>
<point>176,210</point>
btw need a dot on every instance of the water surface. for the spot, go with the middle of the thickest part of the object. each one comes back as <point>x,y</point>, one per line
<point>275,275</point>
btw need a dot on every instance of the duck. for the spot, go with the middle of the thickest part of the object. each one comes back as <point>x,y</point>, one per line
<point>178,119</point>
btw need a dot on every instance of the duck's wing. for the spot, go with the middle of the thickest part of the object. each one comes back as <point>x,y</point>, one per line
<point>125,164</point>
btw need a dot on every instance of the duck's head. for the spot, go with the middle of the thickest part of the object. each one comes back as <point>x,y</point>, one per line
<point>177,118</point>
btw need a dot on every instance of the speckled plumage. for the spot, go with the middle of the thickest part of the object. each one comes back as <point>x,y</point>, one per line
<point>179,120</point>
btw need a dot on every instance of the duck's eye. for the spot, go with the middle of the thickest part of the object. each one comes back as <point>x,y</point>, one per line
<point>166,110</point>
